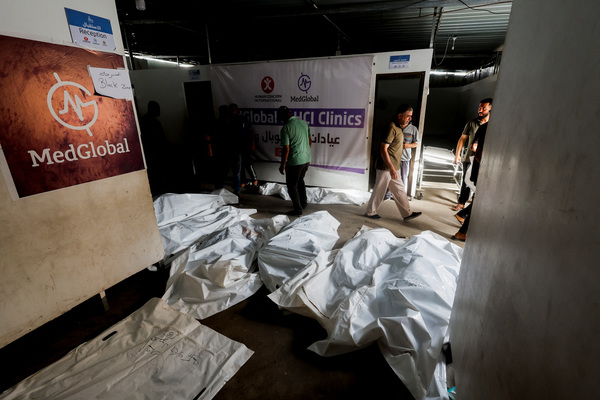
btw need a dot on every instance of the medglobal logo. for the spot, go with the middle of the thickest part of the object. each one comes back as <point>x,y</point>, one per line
<point>304,84</point>
<point>304,99</point>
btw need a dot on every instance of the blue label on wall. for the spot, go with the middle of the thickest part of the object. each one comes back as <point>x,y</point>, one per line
<point>90,30</point>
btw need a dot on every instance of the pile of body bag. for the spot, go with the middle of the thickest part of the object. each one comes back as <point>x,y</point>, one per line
<point>318,195</point>
<point>379,288</point>
<point>375,288</point>
<point>211,249</point>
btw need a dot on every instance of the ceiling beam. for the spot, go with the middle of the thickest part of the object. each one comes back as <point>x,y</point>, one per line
<point>315,10</point>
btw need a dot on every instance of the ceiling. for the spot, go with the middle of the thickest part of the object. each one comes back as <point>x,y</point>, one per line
<point>466,34</point>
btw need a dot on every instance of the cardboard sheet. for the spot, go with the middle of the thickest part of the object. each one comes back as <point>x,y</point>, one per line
<point>155,353</point>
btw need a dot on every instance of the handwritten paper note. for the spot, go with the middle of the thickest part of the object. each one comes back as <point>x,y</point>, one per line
<point>113,83</point>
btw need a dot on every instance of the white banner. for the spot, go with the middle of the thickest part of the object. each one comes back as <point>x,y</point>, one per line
<point>332,95</point>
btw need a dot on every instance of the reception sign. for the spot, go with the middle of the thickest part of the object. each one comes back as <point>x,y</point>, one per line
<point>90,30</point>
<point>332,95</point>
<point>55,131</point>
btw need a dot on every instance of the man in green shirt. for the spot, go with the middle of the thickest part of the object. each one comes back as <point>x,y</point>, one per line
<point>295,157</point>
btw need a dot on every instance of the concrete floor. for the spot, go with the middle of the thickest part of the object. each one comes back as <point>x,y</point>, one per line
<point>281,367</point>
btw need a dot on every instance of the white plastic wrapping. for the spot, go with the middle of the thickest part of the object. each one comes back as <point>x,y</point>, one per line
<point>185,218</point>
<point>317,290</point>
<point>317,195</point>
<point>381,288</point>
<point>219,271</point>
<point>296,246</point>
<point>155,353</point>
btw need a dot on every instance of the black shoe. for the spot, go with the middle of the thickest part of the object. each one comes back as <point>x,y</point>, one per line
<point>414,215</point>
<point>374,216</point>
<point>294,213</point>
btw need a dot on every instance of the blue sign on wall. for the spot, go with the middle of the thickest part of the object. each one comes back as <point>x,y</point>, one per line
<point>90,30</point>
<point>400,62</point>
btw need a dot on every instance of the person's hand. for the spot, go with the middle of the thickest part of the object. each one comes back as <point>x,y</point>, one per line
<point>456,160</point>
<point>394,174</point>
<point>281,169</point>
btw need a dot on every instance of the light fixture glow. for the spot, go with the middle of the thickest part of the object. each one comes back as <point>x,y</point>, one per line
<point>455,73</point>
<point>141,57</point>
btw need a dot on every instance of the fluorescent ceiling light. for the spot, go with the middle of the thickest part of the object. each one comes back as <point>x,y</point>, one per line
<point>455,73</point>
<point>185,65</point>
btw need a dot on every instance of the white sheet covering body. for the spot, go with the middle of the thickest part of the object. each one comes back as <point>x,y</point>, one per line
<point>317,290</point>
<point>185,218</point>
<point>317,195</point>
<point>155,353</point>
<point>219,271</point>
<point>295,246</point>
<point>381,288</point>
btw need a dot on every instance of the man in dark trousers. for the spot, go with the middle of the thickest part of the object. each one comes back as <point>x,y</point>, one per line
<point>295,157</point>
<point>480,140</point>
<point>467,139</point>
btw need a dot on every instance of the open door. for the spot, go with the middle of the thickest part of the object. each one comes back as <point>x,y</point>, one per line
<point>391,90</point>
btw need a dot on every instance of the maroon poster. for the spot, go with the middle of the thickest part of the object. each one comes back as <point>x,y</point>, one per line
<point>55,131</point>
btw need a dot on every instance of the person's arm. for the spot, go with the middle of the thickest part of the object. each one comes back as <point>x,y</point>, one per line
<point>411,145</point>
<point>459,146</point>
<point>387,160</point>
<point>285,151</point>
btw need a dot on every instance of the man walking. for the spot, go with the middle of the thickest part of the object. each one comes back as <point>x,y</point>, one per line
<point>295,157</point>
<point>466,138</point>
<point>388,167</point>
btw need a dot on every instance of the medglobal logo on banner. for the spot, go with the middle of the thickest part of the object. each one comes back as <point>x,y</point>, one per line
<point>304,84</point>
<point>331,95</point>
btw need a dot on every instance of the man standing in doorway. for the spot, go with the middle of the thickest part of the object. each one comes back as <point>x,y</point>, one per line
<point>466,138</point>
<point>295,157</point>
<point>388,167</point>
<point>411,141</point>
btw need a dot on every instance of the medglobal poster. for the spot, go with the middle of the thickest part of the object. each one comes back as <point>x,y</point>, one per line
<point>55,131</point>
<point>332,95</point>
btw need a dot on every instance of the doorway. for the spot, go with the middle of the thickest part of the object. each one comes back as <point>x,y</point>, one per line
<point>392,90</point>
<point>199,127</point>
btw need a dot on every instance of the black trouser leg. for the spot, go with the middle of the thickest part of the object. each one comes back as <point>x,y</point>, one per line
<point>464,213</point>
<point>465,225</point>
<point>294,179</point>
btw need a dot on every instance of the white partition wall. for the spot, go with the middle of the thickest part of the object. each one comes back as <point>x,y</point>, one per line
<point>61,247</point>
<point>342,88</point>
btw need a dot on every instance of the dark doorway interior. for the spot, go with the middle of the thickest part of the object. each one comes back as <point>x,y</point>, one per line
<point>391,90</point>
<point>200,126</point>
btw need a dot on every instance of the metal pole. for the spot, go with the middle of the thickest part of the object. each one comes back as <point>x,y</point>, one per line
<point>208,45</point>
<point>131,63</point>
